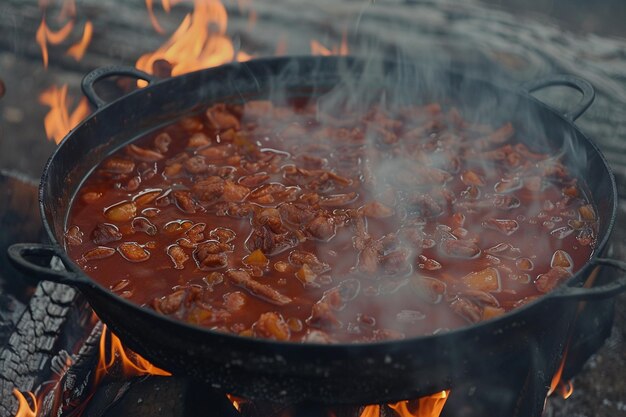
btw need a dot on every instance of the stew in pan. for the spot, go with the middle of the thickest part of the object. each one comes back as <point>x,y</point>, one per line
<point>291,223</point>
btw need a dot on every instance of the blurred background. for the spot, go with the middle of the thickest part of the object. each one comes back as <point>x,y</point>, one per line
<point>47,46</point>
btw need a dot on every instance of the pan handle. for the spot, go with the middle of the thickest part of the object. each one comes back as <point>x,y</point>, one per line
<point>23,257</point>
<point>603,291</point>
<point>98,74</point>
<point>583,86</point>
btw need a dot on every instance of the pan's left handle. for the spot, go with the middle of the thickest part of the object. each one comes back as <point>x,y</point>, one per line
<point>98,74</point>
<point>607,290</point>
<point>33,259</point>
<point>583,86</point>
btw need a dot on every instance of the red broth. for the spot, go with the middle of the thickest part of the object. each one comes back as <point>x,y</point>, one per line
<point>279,222</point>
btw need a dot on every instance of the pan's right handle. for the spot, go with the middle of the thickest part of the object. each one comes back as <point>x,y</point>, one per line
<point>23,255</point>
<point>105,72</point>
<point>583,86</point>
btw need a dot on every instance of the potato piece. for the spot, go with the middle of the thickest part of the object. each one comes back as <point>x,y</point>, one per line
<point>492,312</point>
<point>486,280</point>
<point>587,212</point>
<point>306,276</point>
<point>562,259</point>
<point>256,258</point>
<point>121,212</point>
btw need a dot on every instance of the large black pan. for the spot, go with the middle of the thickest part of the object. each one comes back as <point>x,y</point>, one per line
<point>340,373</point>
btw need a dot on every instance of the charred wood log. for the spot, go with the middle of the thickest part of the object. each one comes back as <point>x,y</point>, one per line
<point>51,322</point>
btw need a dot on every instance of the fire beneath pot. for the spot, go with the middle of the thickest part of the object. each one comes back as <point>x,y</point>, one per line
<point>117,375</point>
<point>105,379</point>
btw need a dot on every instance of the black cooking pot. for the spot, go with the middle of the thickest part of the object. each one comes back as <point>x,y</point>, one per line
<point>337,373</point>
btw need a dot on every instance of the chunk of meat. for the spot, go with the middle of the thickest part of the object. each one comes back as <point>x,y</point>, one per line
<point>321,227</point>
<point>269,242</point>
<point>460,248</point>
<point>470,311</point>
<point>504,226</point>
<point>300,258</point>
<point>323,317</point>
<point>162,142</point>
<point>116,165</point>
<point>209,189</point>
<point>184,201</point>
<point>142,154</point>
<point>221,118</point>
<point>271,325</point>
<point>369,260</point>
<point>234,192</point>
<point>234,301</point>
<point>171,303</point>
<point>552,279</point>
<point>212,255</point>
<point>377,210</point>
<point>73,236</point>
<point>243,279</point>
<point>101,252</point>
<point>196,165</point>
<point>296,213</point>
<point>147,197</point>
<point>223,234</point>
<point>105,233</point>
<point>254,180</point>
<point>178,256</point>
<point>133,251</point>
<point>196,232</point>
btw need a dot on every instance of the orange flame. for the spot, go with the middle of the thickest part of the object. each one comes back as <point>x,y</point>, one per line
<point>58,122</point>
<point>428,406</point>
<point>318,49</point>
<point>24,409</point>
<point>45,35</point>
<point>199,42</point>
<point>130,367</point>
<point>556,379</point>
<point>77,51</point>
<point>371,411</point>
<point>236,401</point>
<point>565,388</point>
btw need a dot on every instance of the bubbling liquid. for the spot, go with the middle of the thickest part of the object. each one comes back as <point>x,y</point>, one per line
<point>274,221</point>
